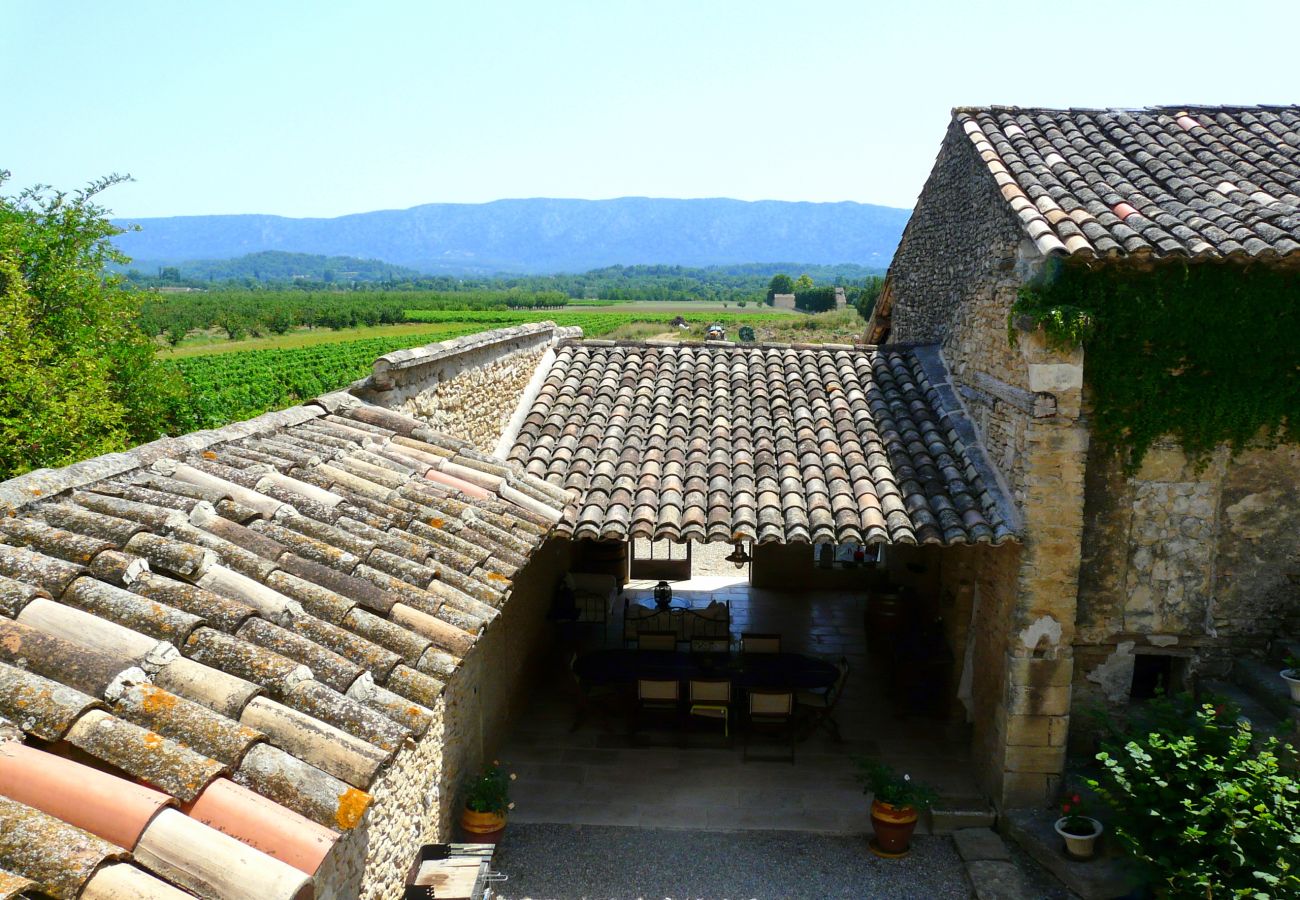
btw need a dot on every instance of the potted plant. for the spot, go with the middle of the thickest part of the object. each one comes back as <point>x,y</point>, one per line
<point>1291,675</point>
<point>1080,831</point>
<point>895,806</point>
<point>487,800</point>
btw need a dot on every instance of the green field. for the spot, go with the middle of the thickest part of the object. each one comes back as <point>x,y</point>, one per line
<point>230,381</point>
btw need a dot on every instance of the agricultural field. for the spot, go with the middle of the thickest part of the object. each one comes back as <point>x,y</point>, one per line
<point>237,380</point>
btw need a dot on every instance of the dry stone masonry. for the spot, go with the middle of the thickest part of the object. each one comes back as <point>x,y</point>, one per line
<point>1176,560</point>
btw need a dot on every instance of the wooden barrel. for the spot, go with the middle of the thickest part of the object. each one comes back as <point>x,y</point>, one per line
<point>885,610</point>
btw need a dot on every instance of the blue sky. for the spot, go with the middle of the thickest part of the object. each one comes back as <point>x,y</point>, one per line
<point>320,109</point>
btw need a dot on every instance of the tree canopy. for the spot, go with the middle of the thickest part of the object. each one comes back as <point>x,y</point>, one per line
<point>80,377</point>
<point>781,284</point>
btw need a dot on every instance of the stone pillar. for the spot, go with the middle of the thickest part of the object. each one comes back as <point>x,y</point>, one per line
<point>1033,720</point>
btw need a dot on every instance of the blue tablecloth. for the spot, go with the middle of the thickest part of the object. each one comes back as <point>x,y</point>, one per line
<point>755,670</point>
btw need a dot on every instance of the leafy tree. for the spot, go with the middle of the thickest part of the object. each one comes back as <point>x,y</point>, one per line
<point>780,284</point>
<point>803,283</point>
<point>79,376</point>
<point>279,320</point>
<point>870,293</point>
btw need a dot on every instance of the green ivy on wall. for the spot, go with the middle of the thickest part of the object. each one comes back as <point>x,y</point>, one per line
<point>1207,354</point>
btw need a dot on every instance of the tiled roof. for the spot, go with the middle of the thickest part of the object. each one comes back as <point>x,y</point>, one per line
<point>1213,182</point>
<point>770,443</point>
<point>236,631</point>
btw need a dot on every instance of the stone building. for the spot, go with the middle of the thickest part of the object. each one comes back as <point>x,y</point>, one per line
<point>1176,574</point>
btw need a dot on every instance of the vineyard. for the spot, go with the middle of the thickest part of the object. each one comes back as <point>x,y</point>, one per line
<point>229,387</point>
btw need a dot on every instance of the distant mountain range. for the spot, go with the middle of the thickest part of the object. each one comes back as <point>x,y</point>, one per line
<point>543,235</point>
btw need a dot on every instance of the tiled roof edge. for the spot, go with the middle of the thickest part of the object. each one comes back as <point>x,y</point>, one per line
<point>1162,108</point>
<point>936,371</point>
<point>31,487</point>
<point>721,345</point>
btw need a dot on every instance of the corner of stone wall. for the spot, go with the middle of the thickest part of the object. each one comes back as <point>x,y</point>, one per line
<point>467,387</point>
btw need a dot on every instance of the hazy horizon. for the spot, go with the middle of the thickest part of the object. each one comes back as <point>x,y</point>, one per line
<point>361,212</point>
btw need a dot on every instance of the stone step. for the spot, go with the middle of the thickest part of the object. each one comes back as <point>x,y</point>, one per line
<point>1262,719</point>
<point>951,814</point>
<point>1108,876</point>
<point>1261,680</point>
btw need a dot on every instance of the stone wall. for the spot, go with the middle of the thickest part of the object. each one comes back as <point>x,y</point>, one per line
<point>1185,562</point>
<point>493,686</point>
<point>961,241</point>
<point>953,281</point>
<point>468,387</point>
<point>417,799</point>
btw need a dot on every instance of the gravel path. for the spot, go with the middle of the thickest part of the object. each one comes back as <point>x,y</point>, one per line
<point>587,862</point>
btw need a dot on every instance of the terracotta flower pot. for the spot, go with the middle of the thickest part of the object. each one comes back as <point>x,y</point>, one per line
<point>1079,846</point>
<point>482,827</point>
<point>893,826</point>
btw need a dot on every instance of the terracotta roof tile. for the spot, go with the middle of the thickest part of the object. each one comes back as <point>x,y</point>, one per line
<point>763,443</point>
<point>1193,182</point>
<point>299,556</point>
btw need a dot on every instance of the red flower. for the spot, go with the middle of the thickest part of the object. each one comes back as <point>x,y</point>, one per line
<point>1065,807</point>
<point>1076,799</point>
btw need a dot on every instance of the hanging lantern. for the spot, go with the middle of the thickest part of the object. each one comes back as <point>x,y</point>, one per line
<point>663,596</point>
<point>738,556</point>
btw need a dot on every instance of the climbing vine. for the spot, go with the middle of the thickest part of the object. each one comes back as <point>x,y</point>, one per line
<point>1207,354</point>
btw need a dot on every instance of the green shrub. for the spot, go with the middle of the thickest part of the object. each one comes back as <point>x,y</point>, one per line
<point>489,792</point>
<point>1206,812</point>
<point>887,786</point>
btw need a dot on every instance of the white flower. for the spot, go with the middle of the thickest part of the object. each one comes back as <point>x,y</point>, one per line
<point>907,777</point>
<point>510,806</point>
<point>514,777</point>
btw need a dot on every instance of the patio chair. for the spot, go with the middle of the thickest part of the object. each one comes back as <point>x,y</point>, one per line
<point>657,697</point>
<point>657,640</point>
<point>710,645</point>
<point>820,705</point>
<point>770,711</point>
<point>710,698</point>
<point>752,642</point>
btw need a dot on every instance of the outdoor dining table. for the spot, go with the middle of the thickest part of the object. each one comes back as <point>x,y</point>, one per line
<point>792,671</point>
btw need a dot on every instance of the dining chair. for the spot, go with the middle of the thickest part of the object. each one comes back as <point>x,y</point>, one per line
<point>752,642</point>
<point>821,703</point>
<point>771,710</point>
<point>710,698</point>
<point>657,696</point>
<point>657,640</point>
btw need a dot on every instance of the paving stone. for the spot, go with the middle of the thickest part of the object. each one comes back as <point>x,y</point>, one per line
<point>996,880</point>
<point>980,843</point>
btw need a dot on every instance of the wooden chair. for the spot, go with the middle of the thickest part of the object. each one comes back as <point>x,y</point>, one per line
<point>820,705</point>
<point>657,640</point>
<point>710,698</point>
<point>657,696</point>
<point>752,642</point>
<point>770,710</point>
